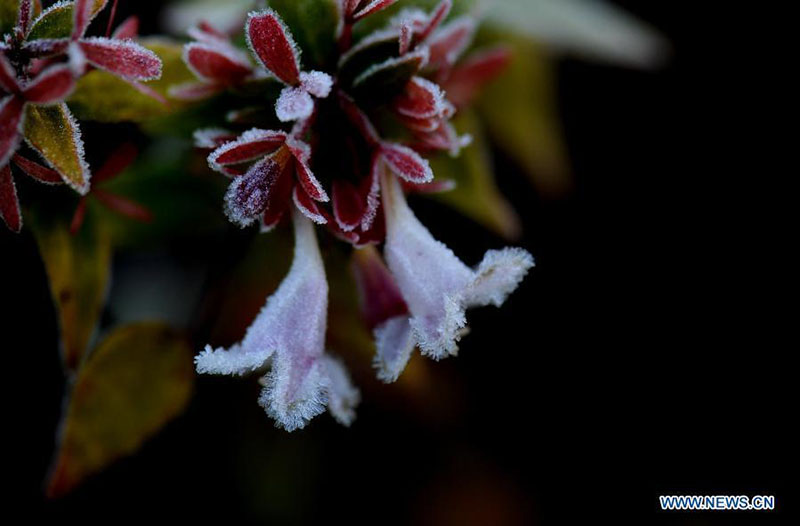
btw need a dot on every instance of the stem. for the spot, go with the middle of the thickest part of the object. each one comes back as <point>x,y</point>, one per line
<point>111,18</point>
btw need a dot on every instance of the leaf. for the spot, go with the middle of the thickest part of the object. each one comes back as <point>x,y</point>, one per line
<point>475,195</point>
<point>139,378</point>
<point>53,132</point>
<point>382,81</point>
<point>313,24</point>
<point>521,113</point>
<point>56,22</point>
<point>100,96</point>
<point>78,269</point>
<point>8,15</point>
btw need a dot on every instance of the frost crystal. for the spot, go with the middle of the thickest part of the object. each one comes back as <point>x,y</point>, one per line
<point>289,336</point>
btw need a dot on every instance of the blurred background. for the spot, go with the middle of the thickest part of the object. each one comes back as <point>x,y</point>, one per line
<point>641,357</point>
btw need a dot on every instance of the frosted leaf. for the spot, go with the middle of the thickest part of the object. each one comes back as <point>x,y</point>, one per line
<point>194,91</point>
<point>216,62</point>
<point>8,77</point>
<point>249,146</point>
<point>11,122</point>
<point>81,16</point>
<point>394,343</point>
<point>129,28</point>
<point>422,99</point>
<point>294,104</point>
<point>24,16</point>
<point>307,206</point>
<point>436,285</point>
<point>124,58</point>
<point>76,59</point>
<point>367,42</point>
<point>51,85</point>
<point>406,163</point>
<point>37,171</point>
<point>372,7</point>
<point>448,43</point>
<point>359,119</point>
<point>420,55</point>
<point>406,34</point>
<point>343,397</point>
<point>374,193</point>
<point>9,204</point>
<point>247,196</point>
<point>307,180</point>
<point>316,83</point>
<point>271,42</point>
<point>348,205</point>
<point>436,18</point>
<point>211,137</point>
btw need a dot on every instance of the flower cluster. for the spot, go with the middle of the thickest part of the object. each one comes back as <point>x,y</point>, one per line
<point>335,166</point>
<point>39,67</point>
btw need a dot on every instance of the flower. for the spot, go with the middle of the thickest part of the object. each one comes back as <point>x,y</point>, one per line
<point>289,336</point>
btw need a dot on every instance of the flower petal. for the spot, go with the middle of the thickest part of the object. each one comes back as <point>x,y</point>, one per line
<point>498,275</point>
<point>9,204</point>
<point>294,104</point>
<point>216,62</point>
<point>316,83</point>
<point>123,58</point>
<point>343,397</point>
<point>52,85</point>
<point>273,45</point>
<point>394,343</point>
<point>11,120</point>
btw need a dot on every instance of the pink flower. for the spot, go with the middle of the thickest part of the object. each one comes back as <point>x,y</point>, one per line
<point>288,336</point>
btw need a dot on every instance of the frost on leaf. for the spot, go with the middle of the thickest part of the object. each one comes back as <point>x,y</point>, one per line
<point>273,45</point>
<point>124,58</point>
<point>289,336</point>
<point>294,104</point>
<point>406,163</point>
<point>247,196</point>
<point>9,204</point>
<point>11,121</point>
<point>217,63</point>
<point>435,284</point>
<point>52,85</point>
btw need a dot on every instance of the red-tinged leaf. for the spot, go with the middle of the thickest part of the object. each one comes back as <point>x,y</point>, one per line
<point>249,146</point>
<point>9,204</point>
<point>117,162</point>
<point>308,206</point>
<point>46,47</point>
<point>8,77</point>
<point>371,190</point>
<point>81,16</point>
<point>447,44</point>
<point>206,30</point>
<point>129,28</point>
<point>372,7</point>
<point>25,16</point>
<point>52,85</point>
<point>247,196</point>
<point>271,41</point>
<point>379,297</point>
<point>212,138</point>
<point>194,91</point>
<point>279,200</point>
<point>421,125</point>
<point>11,120</point>
<point>311,185</point>
<point>348,205</point>
<point>135,381</point>
<point>437,186</point>
<point>79,216</point>
<point>53,132</point>
<point>359,119</point>
<point>216,63</point>
<point>436,18</point>
<point>123,58</point>
<point>477,70</point>
<point>124,206</point>
<point>406,34</point>
<point>422,99</point>
<point>36,170</point>
<point>406,163</point>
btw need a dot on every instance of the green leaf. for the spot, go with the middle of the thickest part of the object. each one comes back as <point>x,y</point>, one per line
<point>313,25</point>
<point>139,378</point>
<point>476,195</point>
<point>101,96</point>
<point>78,269</point>
<point>8,15</point>
<point>56,22</point>
<point>382,81</point>
<point>53,132</point>
<point>521,111</point>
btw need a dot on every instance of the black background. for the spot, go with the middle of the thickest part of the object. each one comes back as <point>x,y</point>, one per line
<point>645,355</point>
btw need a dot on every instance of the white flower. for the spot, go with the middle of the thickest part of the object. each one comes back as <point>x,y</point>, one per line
<point>289,336</point>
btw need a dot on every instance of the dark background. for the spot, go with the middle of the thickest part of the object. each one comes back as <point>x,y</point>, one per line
<point>645,355</point>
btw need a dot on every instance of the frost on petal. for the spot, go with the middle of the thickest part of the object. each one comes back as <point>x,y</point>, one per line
<point>343,397</point>
<point>9,205</point>
<point>273,45</point>
<point>394,343</point>
<point>248,195</point>
<point>406,163</point>
<point>294,104</point>
<point>124,58</point>
<point>11,118</point>
<point>436,285</point>
<point>498,275</point>
<point>216,63</point>
<point>316,83</point>
<point>52,85</point>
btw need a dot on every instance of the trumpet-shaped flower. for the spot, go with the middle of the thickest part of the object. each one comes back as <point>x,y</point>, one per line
<point>289,336</point>
<point>436,285</point>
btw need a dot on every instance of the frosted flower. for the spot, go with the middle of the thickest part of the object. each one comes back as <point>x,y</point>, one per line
<point>435,284</point>
<point>289,337</point>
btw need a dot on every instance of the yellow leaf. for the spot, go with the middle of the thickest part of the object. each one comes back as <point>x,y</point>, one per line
<point>53,132</point>
<point>78,269</point>
<point>138,379</point>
